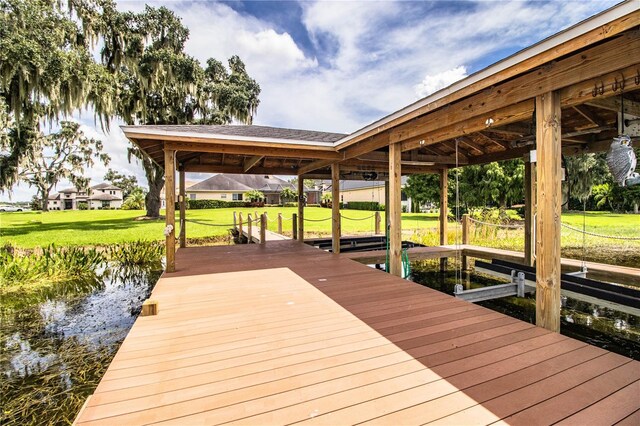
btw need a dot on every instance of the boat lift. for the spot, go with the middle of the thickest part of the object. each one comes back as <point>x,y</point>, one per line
<point>573,285</point>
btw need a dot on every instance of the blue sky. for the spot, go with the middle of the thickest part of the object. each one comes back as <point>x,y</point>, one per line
<point>338,66</point>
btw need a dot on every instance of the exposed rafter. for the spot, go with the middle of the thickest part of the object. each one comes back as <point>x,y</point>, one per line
<point>252,161</point>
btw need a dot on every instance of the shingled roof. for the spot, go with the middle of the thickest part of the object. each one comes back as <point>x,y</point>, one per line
<point>243,131</point>
<point>241,183</point>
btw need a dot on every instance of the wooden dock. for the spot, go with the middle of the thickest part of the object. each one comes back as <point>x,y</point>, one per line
<point>284,333</point>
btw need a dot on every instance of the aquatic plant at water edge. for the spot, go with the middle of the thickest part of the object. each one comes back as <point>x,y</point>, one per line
<point>136,253</point>
<point>48,266</point>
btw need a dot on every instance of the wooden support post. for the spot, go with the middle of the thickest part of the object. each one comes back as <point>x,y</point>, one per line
<point>386,206</point>
<point>395,210</point>
<point>240,225</point>
<point>529,211</point>
<point>235,220</point>
<point>378,221</point>
<point>549,196</point>
<point>280,223</point>
<point>149,307</point>
<point>294,225</point>
<point>170,208</point>
<point>465,239</point>
<point>335,208</point>
<point>249,229</point>
<point>444,213</point>
<point>300,209</point>
<point>183,209</point>
<point>263,228</point>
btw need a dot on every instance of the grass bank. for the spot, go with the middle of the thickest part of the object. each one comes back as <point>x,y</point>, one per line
<point>101,227</point>
<point>104,227</point>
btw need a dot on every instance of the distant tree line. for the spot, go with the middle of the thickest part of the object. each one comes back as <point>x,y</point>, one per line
<point>588,185</point>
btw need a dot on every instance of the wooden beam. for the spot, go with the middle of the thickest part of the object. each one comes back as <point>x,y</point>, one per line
<point>170,212</point>
<point>314,165</point>
<point>411,156</point>
<point>591,90</point>
<point>613,104</point>
<point>501,144</point>
<point>594,36</point>
<point>183,209</point>
<point>588,64</point>
<point>591,116</point>
<point>267,151</point>
<point>252,161</point>
<point>463,154</point>
<point>549,196</point>
<point>300,209</point>
<point>444,213</point>
<point>335,208</point>
<point>529,210</point>
<point>509,114</point>
<point>366,146</point>
<point>218,168</point>
<point>184,158</point>
<point>395,210</point>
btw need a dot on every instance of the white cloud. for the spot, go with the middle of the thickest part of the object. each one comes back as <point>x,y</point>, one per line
<point>433,83</point>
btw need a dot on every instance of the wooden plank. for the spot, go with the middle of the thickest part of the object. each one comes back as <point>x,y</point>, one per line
<point>395,211</point>
<point>549,196</point>
<point>335,208</point>
<point>525,395</point>
<point>170,214</point>
<point>578,398</point>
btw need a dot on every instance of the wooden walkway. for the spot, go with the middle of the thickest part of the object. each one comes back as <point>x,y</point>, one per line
<point>285,333</point>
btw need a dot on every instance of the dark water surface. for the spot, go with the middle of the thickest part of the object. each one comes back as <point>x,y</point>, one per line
<point>54,351</point>
<point>597,325</point>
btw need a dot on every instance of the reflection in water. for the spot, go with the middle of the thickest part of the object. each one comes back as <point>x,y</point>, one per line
<point>54,351</point>
<point>598,325</point>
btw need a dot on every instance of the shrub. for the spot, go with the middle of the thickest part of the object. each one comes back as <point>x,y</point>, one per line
<point>213,204</point>
<point>363,205</point>
<point>254,195</point>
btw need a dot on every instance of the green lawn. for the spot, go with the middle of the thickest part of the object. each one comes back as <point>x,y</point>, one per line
<point>96,227</point>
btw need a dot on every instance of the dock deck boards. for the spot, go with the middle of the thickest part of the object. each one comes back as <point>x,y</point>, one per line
<point>284,333</point>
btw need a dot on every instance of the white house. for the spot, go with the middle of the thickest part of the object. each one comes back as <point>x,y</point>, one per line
<point>102,196</point>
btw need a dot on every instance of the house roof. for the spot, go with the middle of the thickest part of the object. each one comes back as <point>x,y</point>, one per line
<point>241,183</point>
<point>68,190</point>
<point>104,197</point>
<point>107,186</point>
<point>54,196</point>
